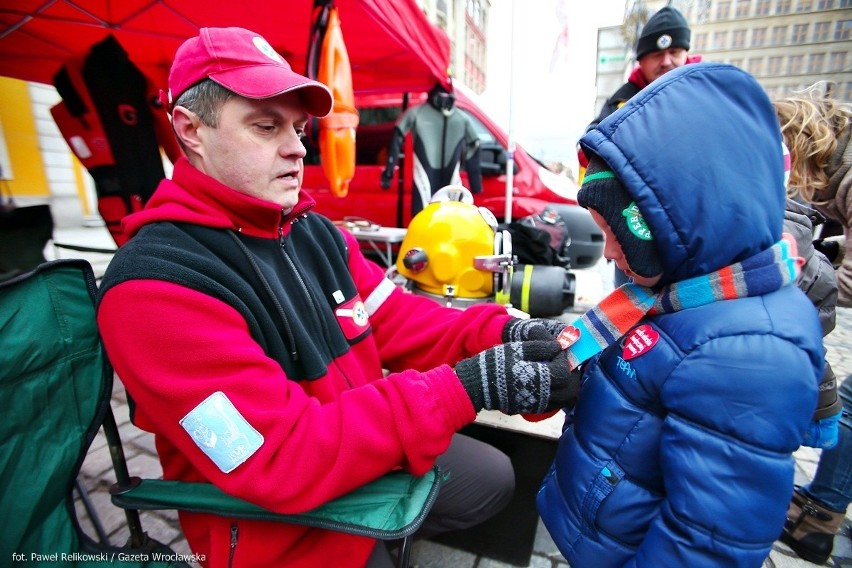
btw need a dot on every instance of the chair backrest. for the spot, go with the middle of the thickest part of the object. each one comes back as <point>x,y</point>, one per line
<point>55,387</point>
<point>24,232</point>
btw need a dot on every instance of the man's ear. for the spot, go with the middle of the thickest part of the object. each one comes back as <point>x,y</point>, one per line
<point>185,124</point>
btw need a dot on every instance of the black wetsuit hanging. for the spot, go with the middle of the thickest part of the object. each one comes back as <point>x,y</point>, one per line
<point>443,138</point>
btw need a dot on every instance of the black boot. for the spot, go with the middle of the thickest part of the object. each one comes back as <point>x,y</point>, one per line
<point>810,528</point>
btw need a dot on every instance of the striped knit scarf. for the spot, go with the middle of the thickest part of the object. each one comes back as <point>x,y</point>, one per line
<point>616,314</point>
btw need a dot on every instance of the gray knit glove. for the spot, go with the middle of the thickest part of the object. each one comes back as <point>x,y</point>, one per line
<point>518,329</point>
<point>520,378</point>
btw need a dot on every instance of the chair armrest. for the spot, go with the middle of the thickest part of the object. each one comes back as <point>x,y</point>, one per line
<point>392,507</point>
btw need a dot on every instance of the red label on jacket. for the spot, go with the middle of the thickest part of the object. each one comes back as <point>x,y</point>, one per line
<point>352,317</point>
<point>640,341</point>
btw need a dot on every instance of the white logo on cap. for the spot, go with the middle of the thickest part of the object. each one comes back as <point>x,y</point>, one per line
<point>263,46</point>
<point>664,41</point>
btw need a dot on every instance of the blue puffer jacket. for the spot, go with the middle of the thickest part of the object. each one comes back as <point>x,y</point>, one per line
<point>682,456</point>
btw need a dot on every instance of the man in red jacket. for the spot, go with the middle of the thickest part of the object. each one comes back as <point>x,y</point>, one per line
<point>253,335</point>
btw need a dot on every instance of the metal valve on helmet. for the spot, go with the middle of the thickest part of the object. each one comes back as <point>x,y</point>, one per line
<point>501,263</point>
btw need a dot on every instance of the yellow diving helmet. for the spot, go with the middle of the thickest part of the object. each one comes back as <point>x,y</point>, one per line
<point>453,251</point>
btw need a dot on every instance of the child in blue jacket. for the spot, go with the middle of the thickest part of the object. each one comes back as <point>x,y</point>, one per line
<point>700,377</point>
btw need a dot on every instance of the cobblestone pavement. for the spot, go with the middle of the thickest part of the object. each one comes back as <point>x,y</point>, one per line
<point>96,474</point>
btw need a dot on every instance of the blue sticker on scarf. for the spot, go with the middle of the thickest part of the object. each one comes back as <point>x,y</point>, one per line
<point>218,428</point>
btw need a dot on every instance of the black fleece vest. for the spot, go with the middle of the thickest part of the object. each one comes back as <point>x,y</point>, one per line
<point>285,289</point>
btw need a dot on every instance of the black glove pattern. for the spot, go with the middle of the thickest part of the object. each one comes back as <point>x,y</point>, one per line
<point>518,329</point>
<point>520,378</point>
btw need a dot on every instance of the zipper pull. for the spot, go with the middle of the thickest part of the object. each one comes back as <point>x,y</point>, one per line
<point>234,532</point>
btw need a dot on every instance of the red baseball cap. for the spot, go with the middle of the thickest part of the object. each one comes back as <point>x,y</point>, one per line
<point>243,62</point>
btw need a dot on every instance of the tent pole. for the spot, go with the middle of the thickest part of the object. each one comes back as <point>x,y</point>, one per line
<point>510,154</point>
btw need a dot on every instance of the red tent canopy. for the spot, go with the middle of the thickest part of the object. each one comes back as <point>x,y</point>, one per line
<point>390,43</point>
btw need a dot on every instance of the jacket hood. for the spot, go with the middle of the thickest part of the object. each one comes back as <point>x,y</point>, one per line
<point>699,150</point>
<point>194,197</point>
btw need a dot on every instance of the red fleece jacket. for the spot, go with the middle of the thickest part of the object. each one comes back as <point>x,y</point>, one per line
<point>173,347</point>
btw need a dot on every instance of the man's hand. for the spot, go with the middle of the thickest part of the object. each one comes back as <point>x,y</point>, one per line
<point>537,328</point>
<point>520,378</point>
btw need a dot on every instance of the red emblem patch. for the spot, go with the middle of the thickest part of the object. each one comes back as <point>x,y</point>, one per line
<point>639,342</point>
<point>352,317</point>
<point>568,337</point>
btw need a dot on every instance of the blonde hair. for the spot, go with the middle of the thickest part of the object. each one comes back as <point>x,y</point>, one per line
<point>810,124</point>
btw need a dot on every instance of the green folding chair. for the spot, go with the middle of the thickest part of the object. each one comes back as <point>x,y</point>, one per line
<point>55,386</point>
<point>50,313</point>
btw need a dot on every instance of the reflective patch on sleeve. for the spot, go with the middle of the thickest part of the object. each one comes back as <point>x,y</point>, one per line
<point>218,428</point>
<point>378,296</point>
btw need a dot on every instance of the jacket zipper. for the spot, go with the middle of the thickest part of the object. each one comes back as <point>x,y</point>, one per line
<point>307,292</point>
<point>302,285</point>
<point>235,531</point>
<point>291,340</point>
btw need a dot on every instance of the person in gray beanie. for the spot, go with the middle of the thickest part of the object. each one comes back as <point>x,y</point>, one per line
<point>662,46</point>
<point>667,29</point>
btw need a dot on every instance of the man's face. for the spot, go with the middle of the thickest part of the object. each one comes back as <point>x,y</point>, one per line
<point>657,63</point>
<point>256,148</point>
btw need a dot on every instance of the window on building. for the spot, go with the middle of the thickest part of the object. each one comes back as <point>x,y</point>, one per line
<point>825,4</point>
<point>837,61</point>
<point>5,163</point>
<point>821,30</point>
<point>779,35</point>
<point>758,37</point>
<point>474,12</point>
<point>843,30</point>
<point>737,62</point>
<point>723,10</point>
<point>738,39</point>
<point>800,33</point>
<point>795,64</point>
<point>847,92</point>
<point>804,5</point>
<point>702,11</point>
<point>774,67</point>
<point>700,42</point>
<point>441,13</point>
<point>762,8</point>
<point>784,6</point>
<point>816,62</point>
<point>720,39</point>
<point>743,8</point>
<point>755,65</point>
<point>845,3</point>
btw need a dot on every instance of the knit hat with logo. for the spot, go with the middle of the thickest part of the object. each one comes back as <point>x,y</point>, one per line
<point>604,192</point>
<point>667,28</point>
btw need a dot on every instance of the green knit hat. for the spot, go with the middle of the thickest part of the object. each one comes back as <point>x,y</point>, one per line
<point>603,192</point>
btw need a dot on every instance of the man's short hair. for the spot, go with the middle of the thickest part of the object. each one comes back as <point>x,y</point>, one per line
<point>205,99</point>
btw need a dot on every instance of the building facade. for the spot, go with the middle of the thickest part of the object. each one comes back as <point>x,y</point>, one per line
<point>787,45</point>
<point>466,23</point>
